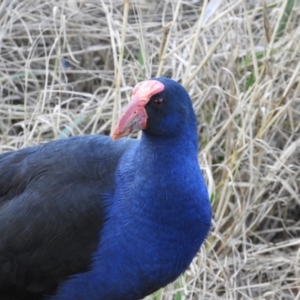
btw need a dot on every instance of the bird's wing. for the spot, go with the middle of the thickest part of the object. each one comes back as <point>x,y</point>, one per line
<point>52,209</point>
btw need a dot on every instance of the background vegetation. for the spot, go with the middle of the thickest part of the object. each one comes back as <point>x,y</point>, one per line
<point>67,67</point>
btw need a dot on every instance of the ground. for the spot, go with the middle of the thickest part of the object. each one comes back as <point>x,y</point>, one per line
<point>67,67</point>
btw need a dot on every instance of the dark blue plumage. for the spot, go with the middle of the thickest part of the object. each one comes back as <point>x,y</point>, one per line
<point>92,218</point>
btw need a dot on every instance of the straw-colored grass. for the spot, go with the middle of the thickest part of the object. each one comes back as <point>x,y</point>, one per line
<point>67,67</point>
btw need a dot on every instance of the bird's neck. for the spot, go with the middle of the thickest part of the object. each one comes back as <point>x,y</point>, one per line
<point>160,150</point>
<point>168,173</point>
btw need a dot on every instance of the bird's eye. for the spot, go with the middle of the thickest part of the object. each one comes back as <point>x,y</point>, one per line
<point>158,101</point>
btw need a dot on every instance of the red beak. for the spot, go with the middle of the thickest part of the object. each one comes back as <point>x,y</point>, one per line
<point>135,116</point>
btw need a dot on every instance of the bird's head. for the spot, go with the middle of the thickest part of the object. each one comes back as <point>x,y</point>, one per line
<point>159,106</point>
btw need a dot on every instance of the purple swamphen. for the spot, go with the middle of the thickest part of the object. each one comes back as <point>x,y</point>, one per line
<point>91,218</point>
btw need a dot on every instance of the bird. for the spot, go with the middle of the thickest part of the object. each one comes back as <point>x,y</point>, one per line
<point>95,217</point>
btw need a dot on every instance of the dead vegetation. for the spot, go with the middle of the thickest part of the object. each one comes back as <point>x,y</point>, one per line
<point>68,66</point>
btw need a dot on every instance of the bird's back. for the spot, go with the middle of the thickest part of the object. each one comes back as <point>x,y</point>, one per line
<point>52,210</point>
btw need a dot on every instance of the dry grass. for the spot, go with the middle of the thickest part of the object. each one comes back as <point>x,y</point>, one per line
<point>64,70</point>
